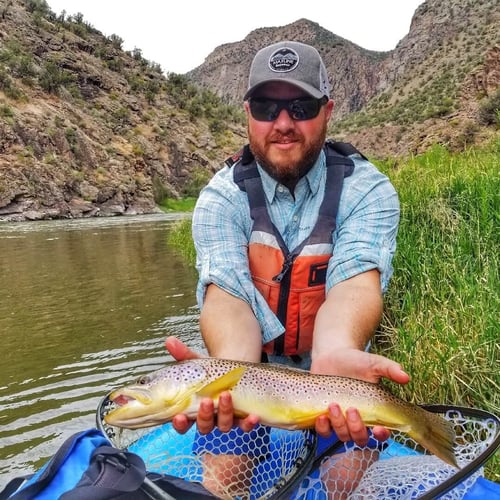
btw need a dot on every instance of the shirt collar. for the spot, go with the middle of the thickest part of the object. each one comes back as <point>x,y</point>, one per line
<point>312,179</point>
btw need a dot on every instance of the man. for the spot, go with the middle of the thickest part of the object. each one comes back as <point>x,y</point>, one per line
<point>257,236</point>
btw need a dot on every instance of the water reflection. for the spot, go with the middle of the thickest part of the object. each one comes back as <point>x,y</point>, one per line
<point>85,306</point>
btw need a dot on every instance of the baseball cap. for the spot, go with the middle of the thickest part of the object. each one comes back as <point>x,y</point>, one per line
<point>293,62</point>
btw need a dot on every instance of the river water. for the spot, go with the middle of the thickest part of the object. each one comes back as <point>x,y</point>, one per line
<point>85,305</point>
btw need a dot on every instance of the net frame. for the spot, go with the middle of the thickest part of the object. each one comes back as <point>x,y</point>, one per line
<point>468,469</point>
<point>477,439</point>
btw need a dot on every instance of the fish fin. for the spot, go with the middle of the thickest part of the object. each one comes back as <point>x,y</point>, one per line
<point>301,419</point>
<point>430,430</point>
<point>436,434</point>
<point>223,383</point>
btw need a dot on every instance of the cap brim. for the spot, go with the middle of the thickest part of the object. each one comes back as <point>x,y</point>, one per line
<point>309,89</point>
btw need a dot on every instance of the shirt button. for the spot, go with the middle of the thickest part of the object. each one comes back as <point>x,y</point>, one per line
<point>295,218</point>
<point>280,189</point>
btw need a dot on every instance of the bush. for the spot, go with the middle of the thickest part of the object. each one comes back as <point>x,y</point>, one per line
<point>53,77</point>
<point>489,109</point>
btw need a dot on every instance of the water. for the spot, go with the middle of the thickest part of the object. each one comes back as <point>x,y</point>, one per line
<point>85,305</point>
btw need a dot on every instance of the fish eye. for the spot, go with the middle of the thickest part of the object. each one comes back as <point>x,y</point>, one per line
<point>145,379</point>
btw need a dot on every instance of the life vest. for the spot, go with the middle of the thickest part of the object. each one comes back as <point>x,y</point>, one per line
<point>292,281</point>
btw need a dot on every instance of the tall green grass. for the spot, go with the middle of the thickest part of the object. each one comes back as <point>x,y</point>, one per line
<point>177,205</point>
<point>441,319</point>
<point>179,237</point>
<point>442,309</point>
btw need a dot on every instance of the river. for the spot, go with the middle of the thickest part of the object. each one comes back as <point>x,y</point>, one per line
<point>85,306</point>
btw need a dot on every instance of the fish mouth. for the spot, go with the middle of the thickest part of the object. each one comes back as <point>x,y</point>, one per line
<point>123,397</point>
<point>121,400</point>
<point>135,410</point>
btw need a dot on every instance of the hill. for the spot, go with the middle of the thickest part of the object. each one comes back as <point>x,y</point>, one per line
<point>439,85</point>
<point>88,129</point>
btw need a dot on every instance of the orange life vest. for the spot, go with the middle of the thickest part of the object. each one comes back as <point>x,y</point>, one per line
<point>292,281</point>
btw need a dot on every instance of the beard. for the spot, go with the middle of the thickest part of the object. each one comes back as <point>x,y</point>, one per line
<point>287,167</point>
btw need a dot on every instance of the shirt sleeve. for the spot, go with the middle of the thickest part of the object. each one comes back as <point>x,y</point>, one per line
<point>221,231</point>
<point>367,224</point>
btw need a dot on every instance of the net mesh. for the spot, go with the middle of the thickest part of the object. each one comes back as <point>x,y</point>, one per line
<point>403,470</point>
<point>230,465</point>
<point>274,463</point>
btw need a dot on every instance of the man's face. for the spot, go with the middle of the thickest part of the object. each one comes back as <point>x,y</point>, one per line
<point>284,147</point>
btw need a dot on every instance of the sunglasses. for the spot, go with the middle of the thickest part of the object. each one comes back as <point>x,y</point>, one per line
<point>264,109</point>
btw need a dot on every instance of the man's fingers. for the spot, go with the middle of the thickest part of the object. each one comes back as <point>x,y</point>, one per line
<point>357,429</point>
<point>181,423</point>
<point>205,419</point>
<point>323,426</point>
<point>381,433</point>
<point>179,350</point>
<point>338,422</point>
<point>225,417</point>
<point>248,423</point>
<point>396,373</point>
<point>348,427</point>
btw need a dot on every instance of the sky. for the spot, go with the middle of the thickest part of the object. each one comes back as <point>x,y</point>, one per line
<point>179,34</point>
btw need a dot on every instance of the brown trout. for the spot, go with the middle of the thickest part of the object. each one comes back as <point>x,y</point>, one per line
<point>281,396</point>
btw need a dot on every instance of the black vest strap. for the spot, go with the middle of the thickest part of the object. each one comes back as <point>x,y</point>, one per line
<point>246,176</point>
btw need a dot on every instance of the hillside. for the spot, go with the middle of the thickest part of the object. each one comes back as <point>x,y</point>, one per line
<point>88,129</point>
<point>430,88</point>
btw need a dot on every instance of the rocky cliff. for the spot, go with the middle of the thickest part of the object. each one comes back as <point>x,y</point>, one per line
<point>88,129</point>
<point>428,89</point>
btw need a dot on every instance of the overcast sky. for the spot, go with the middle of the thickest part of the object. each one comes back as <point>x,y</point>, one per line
<point>180,34</point>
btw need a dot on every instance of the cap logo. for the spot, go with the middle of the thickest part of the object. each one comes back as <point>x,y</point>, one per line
<point>283,60</point>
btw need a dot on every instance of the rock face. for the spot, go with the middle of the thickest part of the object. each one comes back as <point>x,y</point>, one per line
<point>87,129</point>
<point>428,89</point>
<point>356,72</point>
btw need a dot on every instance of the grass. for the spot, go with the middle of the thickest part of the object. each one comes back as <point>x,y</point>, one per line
<point>441,319</point>
<point>441,314</point>
<point>178,205</point>
<point>179,237</point>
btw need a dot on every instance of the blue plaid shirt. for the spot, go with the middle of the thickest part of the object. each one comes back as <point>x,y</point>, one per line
<point>364,239</point>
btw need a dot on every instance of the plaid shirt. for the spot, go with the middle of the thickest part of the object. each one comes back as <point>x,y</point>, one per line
<point>364,239</point>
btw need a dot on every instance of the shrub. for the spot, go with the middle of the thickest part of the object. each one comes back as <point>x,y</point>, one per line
<point>489,109</point>
<point>53,77</point>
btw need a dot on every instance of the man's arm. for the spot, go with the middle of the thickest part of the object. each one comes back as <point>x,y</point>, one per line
<point>230,330</point>
<point>344,325</point>
<point>229,327</point>
<point>347,320</point>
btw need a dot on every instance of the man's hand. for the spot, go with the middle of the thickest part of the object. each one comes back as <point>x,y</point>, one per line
<point>207,417</point>
<point>361,365</point>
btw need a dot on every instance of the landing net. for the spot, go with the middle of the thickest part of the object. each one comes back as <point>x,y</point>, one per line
<point>285,464</point>
<point>271,465</point>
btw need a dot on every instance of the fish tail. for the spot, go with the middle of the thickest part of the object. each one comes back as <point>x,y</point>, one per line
<point>436,434</point>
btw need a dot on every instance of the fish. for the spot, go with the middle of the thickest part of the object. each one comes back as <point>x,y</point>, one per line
<point>282,397</point>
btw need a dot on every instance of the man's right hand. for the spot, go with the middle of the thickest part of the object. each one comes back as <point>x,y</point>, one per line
<point>207,418</point>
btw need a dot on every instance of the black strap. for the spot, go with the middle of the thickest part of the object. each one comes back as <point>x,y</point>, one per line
<point>111,473</point>
<point>180,488</point>
<point>344,148</point>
